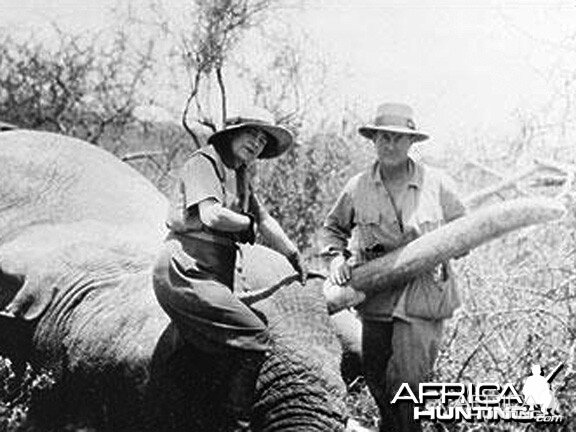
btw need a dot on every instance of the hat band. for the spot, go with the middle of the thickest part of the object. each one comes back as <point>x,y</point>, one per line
<point>393,120</point>
<point>240,120</point>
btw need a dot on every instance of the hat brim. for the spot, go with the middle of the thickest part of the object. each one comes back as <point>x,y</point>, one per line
<point>368,132</point>
<point>281,141</point>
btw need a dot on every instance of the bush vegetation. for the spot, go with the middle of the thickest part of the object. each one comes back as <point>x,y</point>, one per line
<point>519,291</point>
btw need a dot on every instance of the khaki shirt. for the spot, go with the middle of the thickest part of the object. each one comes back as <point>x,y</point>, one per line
<point>364,222</point>
<point>205,176</point>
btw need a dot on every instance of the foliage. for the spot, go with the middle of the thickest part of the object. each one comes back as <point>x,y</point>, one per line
<point>299,187</point>
<point>84,88</point>
<point>203,45</point>
<point>289,78</point>
<point>17,391</point>
<point>361,406</point>
<point>518,292</point>
<point>217,28</point>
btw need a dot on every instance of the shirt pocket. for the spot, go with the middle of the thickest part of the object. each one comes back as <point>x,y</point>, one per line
<point>426,217</point>
<point>432,296</point>
<point>367,223</point>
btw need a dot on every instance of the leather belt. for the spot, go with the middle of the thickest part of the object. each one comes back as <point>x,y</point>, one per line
<point>209,235</point>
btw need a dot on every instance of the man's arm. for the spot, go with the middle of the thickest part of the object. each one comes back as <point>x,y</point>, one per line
<point>334,236</point>
<point>337,227</point>
<point>277,238</point>
<point>214,216</point>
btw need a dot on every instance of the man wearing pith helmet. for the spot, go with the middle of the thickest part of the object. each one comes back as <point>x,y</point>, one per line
<point>392,202</point>
<point>213,210</point>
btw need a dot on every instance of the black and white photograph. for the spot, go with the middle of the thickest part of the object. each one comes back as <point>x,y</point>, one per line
<point>287,216</point>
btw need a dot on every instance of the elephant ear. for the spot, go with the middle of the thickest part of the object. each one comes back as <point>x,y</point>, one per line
<point>27,281</point>
<point>48,262</point>
<point>65,204</point>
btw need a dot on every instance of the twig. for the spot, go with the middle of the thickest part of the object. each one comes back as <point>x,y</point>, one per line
<point>571,359</point>
<point>485,168</point>
<point>191,97</point>
<point>141,155</point>
<point>567,185</point>
<point>535,310</point>
<point>208,124</point>
<point>222,93</point>
<point>471,356</point>
<point>203,119</point>
<point>559,166</point>
<point>476,198</point>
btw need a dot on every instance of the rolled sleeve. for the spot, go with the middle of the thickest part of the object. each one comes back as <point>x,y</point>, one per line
<point>337,228</point>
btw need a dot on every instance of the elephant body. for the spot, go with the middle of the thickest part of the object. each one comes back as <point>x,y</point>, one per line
<point>79,233</point>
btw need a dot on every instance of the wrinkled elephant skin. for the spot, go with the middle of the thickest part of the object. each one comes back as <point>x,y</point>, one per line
<point>79,232</point>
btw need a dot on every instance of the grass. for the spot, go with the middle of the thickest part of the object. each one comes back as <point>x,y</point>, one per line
<point>17,391</point>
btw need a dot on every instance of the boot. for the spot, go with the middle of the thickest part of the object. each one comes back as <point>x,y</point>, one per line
<point>241,392</point>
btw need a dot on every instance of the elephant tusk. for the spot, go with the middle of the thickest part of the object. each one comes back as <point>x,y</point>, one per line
<point>452,240</point>
<point>340,297</point>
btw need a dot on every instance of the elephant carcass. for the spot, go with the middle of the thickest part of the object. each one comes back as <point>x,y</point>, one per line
<point>79,232</point>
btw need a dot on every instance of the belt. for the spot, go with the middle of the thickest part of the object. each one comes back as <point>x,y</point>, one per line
<point>373,252</point>
<point>377,249</point>
<point>209,235</point>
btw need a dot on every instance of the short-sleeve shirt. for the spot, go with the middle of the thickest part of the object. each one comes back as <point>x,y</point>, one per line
<point>363,219</point>
<point>205,176</point>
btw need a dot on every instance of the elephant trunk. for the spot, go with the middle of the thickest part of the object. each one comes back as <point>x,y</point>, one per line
<point>80,231</point>
<point>300,387</point>
<point>291,397</point>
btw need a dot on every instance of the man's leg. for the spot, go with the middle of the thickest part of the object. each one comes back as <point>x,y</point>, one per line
<point>376,350</point>
<point>414,350</point>
<point>211,318</point>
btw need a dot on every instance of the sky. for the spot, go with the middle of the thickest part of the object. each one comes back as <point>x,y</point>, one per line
<point>469,68</point>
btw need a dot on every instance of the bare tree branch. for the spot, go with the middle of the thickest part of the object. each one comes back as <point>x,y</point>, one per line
<point>141,155</point>
<point>478,197</point>
<point>193,93</point>
<point>222,93</point>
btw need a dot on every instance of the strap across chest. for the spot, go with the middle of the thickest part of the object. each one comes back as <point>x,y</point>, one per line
<point>242,183</point>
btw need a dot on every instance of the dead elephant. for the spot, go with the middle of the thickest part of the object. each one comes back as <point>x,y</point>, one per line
<point>79,232</point>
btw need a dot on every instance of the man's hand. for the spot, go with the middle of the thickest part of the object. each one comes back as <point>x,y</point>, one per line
<point>339,270</point>
<point>297,263</point>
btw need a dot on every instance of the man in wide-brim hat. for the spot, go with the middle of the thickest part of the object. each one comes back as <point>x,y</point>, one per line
<point>395,119</point>
<point>383,208</point>
<point>214,209</point>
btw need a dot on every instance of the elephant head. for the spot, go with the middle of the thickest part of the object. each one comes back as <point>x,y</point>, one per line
<point>79,233</point>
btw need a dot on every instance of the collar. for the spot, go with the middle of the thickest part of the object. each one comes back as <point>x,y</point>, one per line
<point>415,170</point>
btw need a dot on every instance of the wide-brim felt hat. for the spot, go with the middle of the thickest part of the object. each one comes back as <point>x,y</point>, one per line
<point>394,118</point>
<point>279,139</point>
